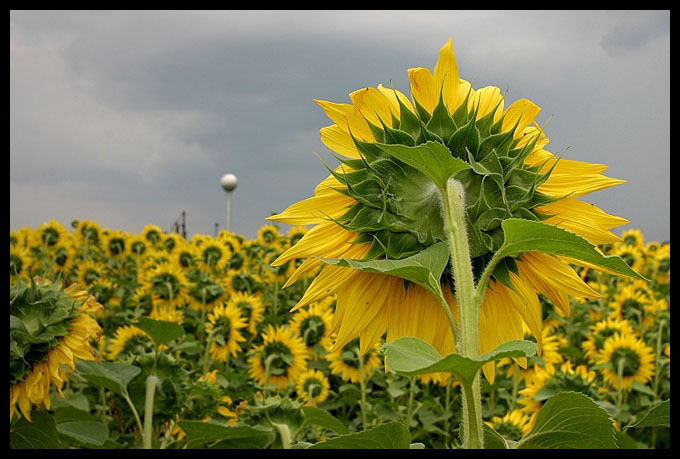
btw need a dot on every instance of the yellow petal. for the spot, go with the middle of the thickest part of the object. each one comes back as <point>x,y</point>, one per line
<point>348,118</point>
<point>316,209</point>
<point>486,100</point>
<point>423,88</point>
<point>446,77</point>
<point>339,141</point>
<point>584,219</point>
<point>374,106</point>
<point>522,112</point>
<point>324,237</point>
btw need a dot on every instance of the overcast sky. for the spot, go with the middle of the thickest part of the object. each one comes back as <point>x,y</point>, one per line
<point>129,118</point>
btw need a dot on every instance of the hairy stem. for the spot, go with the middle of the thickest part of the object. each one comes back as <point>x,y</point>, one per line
<point>468,306</point>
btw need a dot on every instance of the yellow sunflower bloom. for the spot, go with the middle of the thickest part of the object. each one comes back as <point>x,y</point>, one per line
<point>50,351</point>
<point>279,360</point>
<point>128,339</point>
<point>312,387</point>
<point>166,283</point>
<point>631,356</point>
<point>374,207</point>
<point>600,331</point>
<point>19,263</point>
<point>252,309</point>
<point>513,426</point>
<point>224,326</point>
<point>344,362</point>
<point>313,325</point>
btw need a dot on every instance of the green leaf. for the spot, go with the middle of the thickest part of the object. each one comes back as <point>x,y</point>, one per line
<point>625,441</point>
<point>319,417</point>
<point>161,332</point>
<point>658,415</point>
<point>424,268</point>
<point>431,158</point>
<point>70,414</point>
<point>39,434</point>
<point>112,376</point>
<point>393,435</point>
<point>199,432</point>
<point>570,420</point>
<point>531,236</point>
<point>410,356</point>
<point>87,432</point>
<point>493,440</point>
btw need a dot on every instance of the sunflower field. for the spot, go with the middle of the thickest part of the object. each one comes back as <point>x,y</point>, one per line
<point>148,340</point>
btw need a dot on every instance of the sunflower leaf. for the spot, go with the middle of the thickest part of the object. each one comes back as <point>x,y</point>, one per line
<point>431,158</point>
<point>410,356</point>
<point>393,435</point>
<point>425,268</point>
<point>319,417</point>
<point>531,236</point>
<point>39,434</point>
<point>200,433</point>
<point>112,376</point>
<point>570,420</point>
<point>160,331</point>
<point>89,433</point>
<point>658,415</point>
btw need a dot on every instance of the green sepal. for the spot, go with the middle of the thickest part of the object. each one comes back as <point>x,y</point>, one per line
<point>441,122</point>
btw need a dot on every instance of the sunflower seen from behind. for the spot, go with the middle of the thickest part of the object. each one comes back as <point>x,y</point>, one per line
<point>280,358</point>
<point>224,326</point>
<point>51,327</point>
<point>374,206</point>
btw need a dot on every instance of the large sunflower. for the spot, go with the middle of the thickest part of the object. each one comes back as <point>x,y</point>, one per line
<point>374,206</point>
<point>50,328</point>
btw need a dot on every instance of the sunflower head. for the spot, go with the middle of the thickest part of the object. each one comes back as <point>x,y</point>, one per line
<point>51,326</point>
<point>251,307</point>
<point>224,326</point>
<point>279,359</point>
<point>513,425</point>
<point>626,358</point>
<point>312,387</point>
<point>152,234</point>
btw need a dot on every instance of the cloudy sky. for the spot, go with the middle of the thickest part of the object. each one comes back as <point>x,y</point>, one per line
<point>129,118</point>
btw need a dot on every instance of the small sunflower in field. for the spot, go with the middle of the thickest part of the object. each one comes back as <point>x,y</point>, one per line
<point>128,340</point>
<point>19,263</point>
<point>224,326</point>
<point>313,325</point>
<point>344,362</point>
<point>513,425</point>
<point>629,303</point>
<point>166,283</point>
<point>600,331</point>
<point>631,356</point>
<point>632,237</point>
<point>205,292</point>
<point>212,255</point>
<point>116,244</point>
<point>166,313</point>
<point>63,258</point>
<point>184,255</point>
<point>270,236</point>
<point>49,235</point>
<point>241,282</point>
<point>20,237</point>
<point>88,234</point>
<point>139,246</point>
<point>663,264</point>
<point>51,328</point>
<point>251,307</point>
<point>279,360</point>
<point>312,387</point>
<point>153,235</point>
<point>90,273</point>
<point>170,241</point>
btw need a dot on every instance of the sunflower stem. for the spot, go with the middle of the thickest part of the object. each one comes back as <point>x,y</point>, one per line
<point>468,302</point>
<point>151,381</point>
<point>362,386</point>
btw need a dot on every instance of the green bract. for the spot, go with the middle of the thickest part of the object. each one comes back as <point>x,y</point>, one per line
<point>39,315</point>
<point>398,179</point>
